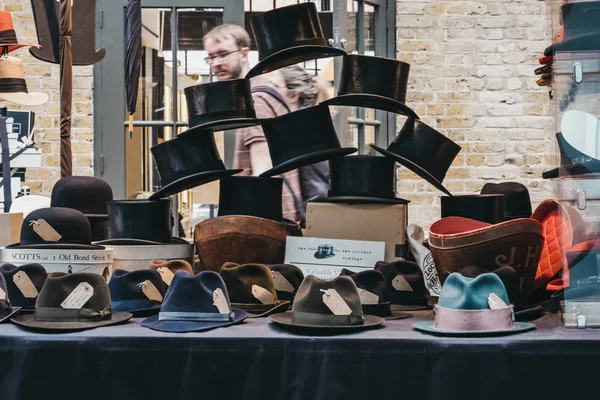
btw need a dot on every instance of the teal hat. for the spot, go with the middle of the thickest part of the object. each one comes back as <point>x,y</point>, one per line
<point>462,293</point>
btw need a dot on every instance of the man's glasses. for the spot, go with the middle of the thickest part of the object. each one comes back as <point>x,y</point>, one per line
<point>221,57</point>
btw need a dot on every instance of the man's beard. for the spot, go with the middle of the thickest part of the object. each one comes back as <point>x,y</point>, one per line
<point>235,73</point>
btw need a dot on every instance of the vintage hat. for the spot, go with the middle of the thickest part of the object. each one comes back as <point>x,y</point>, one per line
<point>481,207</point>
<point>195,303</point>
<point>8,36</point>
<point>372,287</point>
<point>29,203</point>
<point>13,86</point>
<point>162,266</point>
<point>385,90</point>
<point>241,239</point>
<point>572,161</point>
<point>331,306</point>
<point>188,161</point>
<point>405,287</point>
<point>509,277</point>
<point>56,228</point>
<point>287,279</point>
<point>324,251</point>
<point>424,151</point>
<point>302,138</point>
<point>23,283</point>
<point>252,289</point>
<point>139,292</point>
<point>70,302</point>
<point>251,195</point>
<point>289,35</point>
<point>517,203</point>
<point>464,309</point>
<point>7,309</point>
<point>362,180</point>
<point>220,105</point>
<point>580,25</point>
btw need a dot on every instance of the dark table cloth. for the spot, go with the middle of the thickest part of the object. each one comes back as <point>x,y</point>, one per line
<point>257,360</point>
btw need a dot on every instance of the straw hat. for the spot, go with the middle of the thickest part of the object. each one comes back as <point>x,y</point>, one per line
<point>13,86</point>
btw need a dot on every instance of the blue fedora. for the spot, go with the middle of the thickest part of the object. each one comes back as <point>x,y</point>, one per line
<point>191,305</point>
<point>139,292</point>
<point>6,309</point>
<point>463,309</point>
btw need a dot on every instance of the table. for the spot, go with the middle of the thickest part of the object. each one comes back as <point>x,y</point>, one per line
<point>257,360</point>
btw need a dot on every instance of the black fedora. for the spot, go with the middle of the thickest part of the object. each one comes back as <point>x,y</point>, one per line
<point>52,314</point>
<point>302,138</point>
<point>405,285</point>
<point>517,203</point>
<point>384,90</point>
<point>251,195</point>
<point>324,251</point>
<point>289,35</point>
<point>424,151</point>
<point>572,161</point>
<point>287,279</point>
<point>87,194</point>
<point>481,207</point>
<point>220,105</point>
<point>581,31</point>
<point>7,309</point>
<point>139,292</point>
<point>186,162</point>
<point>56,228</point>
<point>362,180</point>
<point>18,283</point>
<point>195,303</point>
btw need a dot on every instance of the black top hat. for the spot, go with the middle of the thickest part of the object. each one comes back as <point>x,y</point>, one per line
<point>56,228</point>
<point>287,279</point>
<point>302,138</point>
<point>289,35</point>
<point>50,314</point>
<point>220,105</point>
<point>572,161</point>
<point>139,292</point>
<point>424,151</point>
<point>362,180</point>
<point>324,251</point>
<point>186,162</point>
<point>581,28</point>
<point>405,285</point>
<point>251,195</point>
<point>481,207</point>
<point>385,90</point>
<point>195,303</point>
<point>28,272</point>
<point>517,203</point>
<point>7,309</point>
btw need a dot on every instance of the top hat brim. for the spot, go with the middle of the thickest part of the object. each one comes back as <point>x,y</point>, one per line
<point>291,56</point>
<point>423,173</point>
<point>320,257</point>
<point>585,42</point>
<point>371,101</point>
<point>16,46</point>
<point>224,125</point>
<point>26,99</point>
<point>429,327</point>
<point>192,326</point>
<point>285,320</point>
<point>587,167</point>
<point>262,310</point>
<point>307,159</point>
<point>57,246</point>
<point>360,200</point>
<point>28,321</point>
<point>192,181</point>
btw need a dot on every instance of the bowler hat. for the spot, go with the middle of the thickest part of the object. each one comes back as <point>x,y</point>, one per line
<point>251,195</point>
<point>405,285</point>
<point>139,292</point>
<point>517,203</point>
<point>287,279</point>
<point>580,28</point>
<point>481,207</point>
<point>29,203</point>
<point>7,309</point>
<point>17,282</point>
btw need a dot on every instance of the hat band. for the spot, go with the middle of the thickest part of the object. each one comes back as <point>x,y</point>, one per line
<point>7,37</point>
<point>51,314</point>
<point>194,316</point>
<point>13,85</point>
<point>307,318</point>
<point>449,319</point>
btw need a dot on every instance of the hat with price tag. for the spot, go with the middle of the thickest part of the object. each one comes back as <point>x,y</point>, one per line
<point>405,285</point>
<point>72,302</point>
<point>7,309</point>
<point>252,288</point>
<point>327,307</point>
<point>287,279</point>
<point>195,303</point>
<point>24,284</point>
<point>168,268</point>
<point>139,292</point>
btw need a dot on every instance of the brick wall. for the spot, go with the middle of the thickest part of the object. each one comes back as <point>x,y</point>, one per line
<point>44,77</point>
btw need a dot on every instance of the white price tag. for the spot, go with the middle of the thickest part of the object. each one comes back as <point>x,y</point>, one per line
<point>335,303</point>
<point>78,297</point>
<point>221,302</point>
<point>262,294</point>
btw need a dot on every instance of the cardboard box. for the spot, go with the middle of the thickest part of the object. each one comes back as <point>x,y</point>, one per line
<point>10,228</point>
<point>372,222</point>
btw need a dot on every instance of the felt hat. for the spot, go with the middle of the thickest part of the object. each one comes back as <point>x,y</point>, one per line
<point>327,307</point>
<point>302,138</point>
<point>57,308</point>
<point>139,292</point>
<point>7,309</point>
<point>385,90</point>
<point>464,309</point>
<point>424,151</point>
<point>251,195</point>
<point>405,287</point>
<point>8,36</point>
<point>289,35</point>
<point>13,86</point>
<point>56,228</point>
<point>480,207</point>
<point>287,279</point>
<point>252,289</point>
<point>29,203</point>
<point>517,203</point>
<point>172,266</point>
<point>17,283</point>
<point>580,28</point>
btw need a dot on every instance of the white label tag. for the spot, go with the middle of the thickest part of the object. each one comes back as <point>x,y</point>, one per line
<point>45,231</point>
<point>166,274</point>
<point>401,284</point>
<point>367,297</point>
<point>151,291</point>
<point>25,285</point>
<point>495,302</point>
<point>220,302</point>
<point>79,296</point>
<point>262,294</point>
<point>282,284</point>
<point>2,294</point>
<point>335,303</point>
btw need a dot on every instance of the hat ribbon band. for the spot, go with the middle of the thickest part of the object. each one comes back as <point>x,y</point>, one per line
<point>13,85</point>
<point>473,320</point>
<point>307,318</point>
<point>51,314</point>
<point>8,37</point>
<point>194,316</point>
